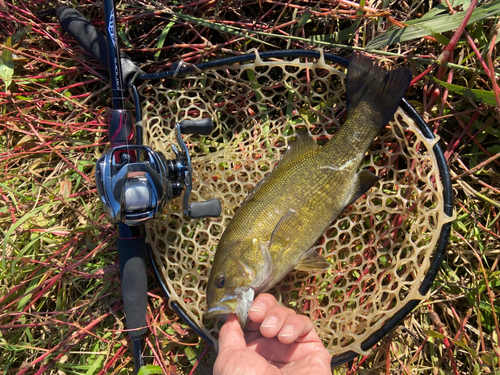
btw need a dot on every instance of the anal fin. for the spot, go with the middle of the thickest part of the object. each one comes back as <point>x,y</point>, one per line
<point>364,182</point>
<point>312,261</point>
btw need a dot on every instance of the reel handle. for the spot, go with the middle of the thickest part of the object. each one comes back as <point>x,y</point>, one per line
<point>204,126</point>
<point>212,207</point>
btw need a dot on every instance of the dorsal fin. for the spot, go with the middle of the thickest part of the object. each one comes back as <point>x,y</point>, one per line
<point>303,143</point>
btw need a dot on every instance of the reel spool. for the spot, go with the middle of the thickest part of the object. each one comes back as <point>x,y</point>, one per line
<point>385,249</point>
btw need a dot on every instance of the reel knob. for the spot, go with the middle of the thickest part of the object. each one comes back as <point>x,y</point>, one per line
<point>210,208</point>
<point>204,126</point>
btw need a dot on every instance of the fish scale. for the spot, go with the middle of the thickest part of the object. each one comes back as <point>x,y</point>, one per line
<point>277,224</point>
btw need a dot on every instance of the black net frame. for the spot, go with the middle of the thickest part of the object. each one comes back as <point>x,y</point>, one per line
<point>447,197</point>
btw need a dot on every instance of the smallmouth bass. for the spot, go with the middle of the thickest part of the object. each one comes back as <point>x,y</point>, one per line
<point>277,224</point>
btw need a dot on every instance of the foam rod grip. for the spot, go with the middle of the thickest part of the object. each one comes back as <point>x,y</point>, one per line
<point>84,33</point>
<point>204,126</point>
<point>91,39</point>
<point>133,272</point>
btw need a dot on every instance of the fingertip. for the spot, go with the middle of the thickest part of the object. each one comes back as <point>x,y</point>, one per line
<point>296,326</point>
<point>260,306</point>
<point>274,320</point>
<point>231,335</point>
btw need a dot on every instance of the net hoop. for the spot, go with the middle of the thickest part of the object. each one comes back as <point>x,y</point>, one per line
<point>161,240</point>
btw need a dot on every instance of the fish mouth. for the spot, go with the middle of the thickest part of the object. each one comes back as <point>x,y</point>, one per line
<point>226,306</point>
<point>218,310</point>
<point>239,304</point>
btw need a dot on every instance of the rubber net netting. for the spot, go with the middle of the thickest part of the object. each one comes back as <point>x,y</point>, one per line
<point>380,248</point>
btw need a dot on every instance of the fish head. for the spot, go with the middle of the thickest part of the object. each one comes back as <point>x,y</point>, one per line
<point>231,286</point>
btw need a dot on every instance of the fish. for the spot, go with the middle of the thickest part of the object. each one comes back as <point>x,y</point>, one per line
<point>274,229</point>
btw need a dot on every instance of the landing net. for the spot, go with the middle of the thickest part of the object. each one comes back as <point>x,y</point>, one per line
<point>380,249</point>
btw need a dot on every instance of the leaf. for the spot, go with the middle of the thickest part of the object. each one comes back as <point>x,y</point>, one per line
<point>431,333</point>
<point>438,24</point>
<point>12,229</point>
<point>7,64</point>
<point>150,370</point>
<point>163,36</point>
<point>27,294</point>
<point>6,60</point>
<point>486,97</point>
<point>65,187</point>
<point>304,19</point>
<point>123,36</point>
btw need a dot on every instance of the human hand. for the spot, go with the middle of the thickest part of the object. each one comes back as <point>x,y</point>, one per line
<point>276,342</point>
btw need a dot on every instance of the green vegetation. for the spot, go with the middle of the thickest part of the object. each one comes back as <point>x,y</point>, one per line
<point>60,307</point>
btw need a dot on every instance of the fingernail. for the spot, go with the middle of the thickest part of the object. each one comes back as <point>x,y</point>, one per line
<point>258,306</point>
<point>269,322</point>
<point>286,331</point>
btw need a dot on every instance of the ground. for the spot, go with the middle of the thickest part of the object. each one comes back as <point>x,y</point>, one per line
<point>60,306</point>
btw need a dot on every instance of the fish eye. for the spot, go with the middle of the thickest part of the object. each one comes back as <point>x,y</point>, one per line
<point>221,281</point>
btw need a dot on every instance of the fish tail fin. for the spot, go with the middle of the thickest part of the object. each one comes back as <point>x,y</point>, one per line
<point>369,84</point>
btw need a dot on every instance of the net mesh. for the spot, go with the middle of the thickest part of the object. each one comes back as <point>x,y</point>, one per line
<point>380,248</point>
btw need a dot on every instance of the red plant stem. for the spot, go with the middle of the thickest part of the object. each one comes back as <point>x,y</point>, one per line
<point>63,345</point>
<point>478,54</point>
<point>422,75</point>
<point>420,348</point>
<point>477,167</point>
<point>84,176</point>
<point>460,121</point>
<point>198,360</point>
<point>454,40</point>
<point>446,342</point>
<point>461,329</point>
<point>454,143</point>
<point>56,278</point>
<point>492,67</point>
<point>158,358</point>
<point>113,359</point>
<point>28,279</point>
<point>12,210</point>
<point>444,101</point>
<point>32,57</point>
<point>497,235</point>
<point>490,293</point>
<point>445,54</point>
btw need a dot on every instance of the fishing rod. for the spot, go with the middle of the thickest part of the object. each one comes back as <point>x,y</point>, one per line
<point>133,181</point>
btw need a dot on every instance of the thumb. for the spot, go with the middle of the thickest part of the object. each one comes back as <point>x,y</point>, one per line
<point>231,336</point>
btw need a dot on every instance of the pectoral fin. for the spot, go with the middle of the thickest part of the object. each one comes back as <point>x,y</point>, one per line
<point>284,231</point>
<point>365,181</point>
<point>312,261</point>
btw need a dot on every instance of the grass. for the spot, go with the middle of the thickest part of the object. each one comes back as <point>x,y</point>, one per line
<point>60,307</point>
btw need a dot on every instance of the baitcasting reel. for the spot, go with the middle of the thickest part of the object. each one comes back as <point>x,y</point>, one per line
<point>134,182</point>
